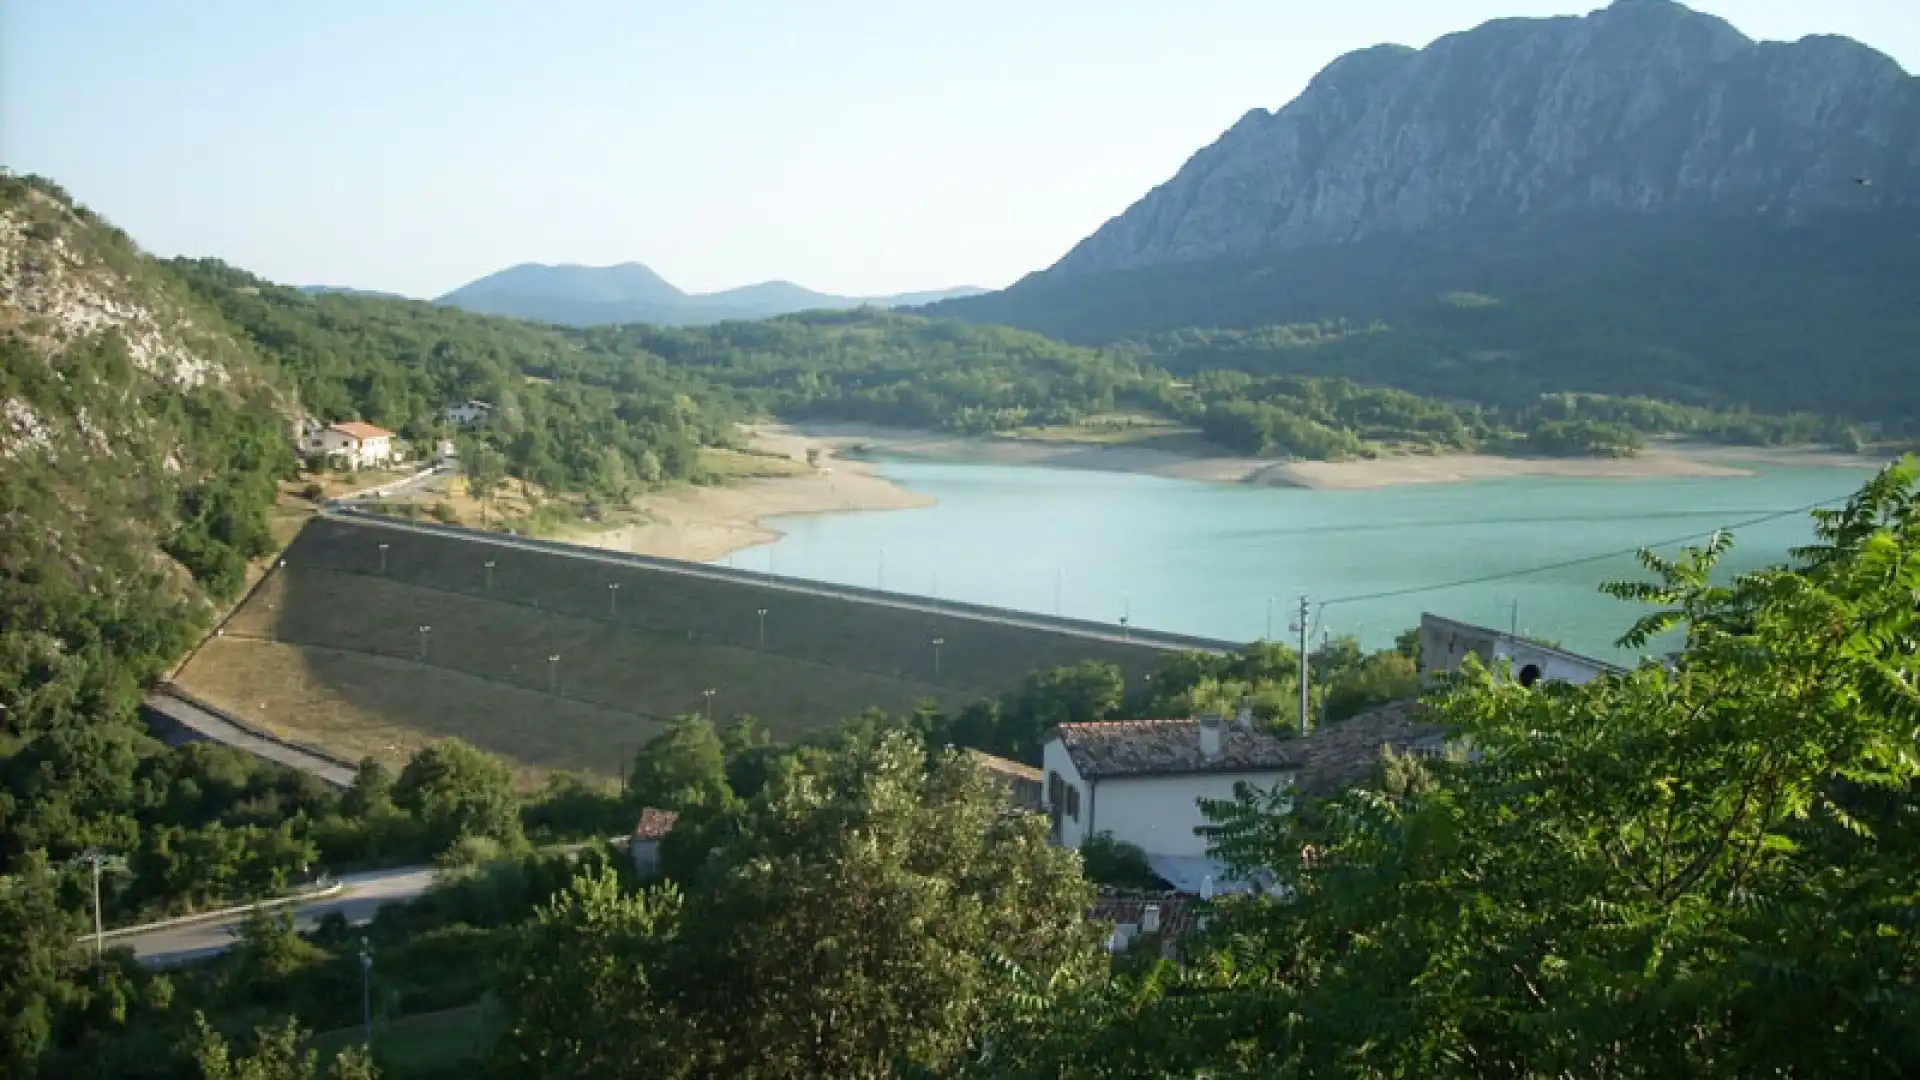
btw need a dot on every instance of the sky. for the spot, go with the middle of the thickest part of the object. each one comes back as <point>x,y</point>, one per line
<point>856,146</point>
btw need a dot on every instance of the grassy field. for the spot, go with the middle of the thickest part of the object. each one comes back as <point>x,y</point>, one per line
<point>425,1042</point>
<point>330,651</point>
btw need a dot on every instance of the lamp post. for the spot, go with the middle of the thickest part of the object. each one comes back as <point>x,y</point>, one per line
<point>880,581</point>
<point>383,558</point>
<point>95,856</point>
<point>424,631</point>
<point>709,692</point>
<point>489,577</point>
<point>613,595</point>
<point>762,612</point>
<point>1268,636</point>
<point>272,625</point>
<point>1059,584</point>
<point>553,674</point>
<point>366,990</point>
<point>937,642</point>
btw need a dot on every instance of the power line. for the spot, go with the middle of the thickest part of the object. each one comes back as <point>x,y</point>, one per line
<point>1563,564</point>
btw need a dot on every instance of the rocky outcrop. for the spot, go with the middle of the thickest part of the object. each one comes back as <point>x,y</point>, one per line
<point>1643,108</point>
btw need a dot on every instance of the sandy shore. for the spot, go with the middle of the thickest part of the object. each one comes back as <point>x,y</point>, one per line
<point>1663,458</point>
<point>702,524</point>
<point>708,523</point>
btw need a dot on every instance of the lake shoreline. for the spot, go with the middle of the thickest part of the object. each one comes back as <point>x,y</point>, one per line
<point>707,524</point>
<point>1662,459</point>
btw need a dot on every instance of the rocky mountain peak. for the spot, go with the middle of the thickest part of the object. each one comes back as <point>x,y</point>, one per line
<point>1643,107</point>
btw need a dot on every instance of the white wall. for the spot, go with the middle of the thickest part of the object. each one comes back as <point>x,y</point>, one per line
<point>1554,666</point>
<point>1158,813</point>
<point>1054,759</point>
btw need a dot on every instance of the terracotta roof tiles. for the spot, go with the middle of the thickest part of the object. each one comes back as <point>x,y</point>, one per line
<point>1169,748</point>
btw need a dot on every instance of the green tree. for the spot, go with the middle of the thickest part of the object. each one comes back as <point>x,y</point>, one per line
<point>279,1053</point>
<point>458,793</point>
<point>684,766</point>
<point>868,915</point>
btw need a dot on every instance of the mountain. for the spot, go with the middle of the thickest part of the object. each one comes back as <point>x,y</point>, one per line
<point>141,441</point>
<point>1639,200</point>
<point>594,295</point>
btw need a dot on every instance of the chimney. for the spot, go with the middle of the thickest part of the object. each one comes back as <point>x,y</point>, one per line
<point>1150,919</point>
<point>1244,715</point>
<point>1210,736</point>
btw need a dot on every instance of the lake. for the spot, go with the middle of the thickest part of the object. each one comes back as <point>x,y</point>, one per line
<point>1232,560</point>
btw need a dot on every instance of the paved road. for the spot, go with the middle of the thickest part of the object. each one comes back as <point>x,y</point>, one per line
<point>362,896</point>
<point>202,722</point>
<point>396,489</point>
<point>1148,639</point>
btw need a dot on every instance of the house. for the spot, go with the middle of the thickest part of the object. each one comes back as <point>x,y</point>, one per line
<point>1445,643</point>
<point>353,443</point>
<point>1021,783</point>
<point>1134,914</point>
<point>469,413</point>
<point>1142,781</point>
<point>644,845</point>
<point>1347,754</point>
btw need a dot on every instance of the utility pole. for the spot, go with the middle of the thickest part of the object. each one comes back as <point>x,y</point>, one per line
<point>1301,628</point>
<point>1059,583</point>
<point>1269,634</point>
<point>1513,619</point>
<point>96,856</point>
<point>880,581</point>
<point>366,990</point>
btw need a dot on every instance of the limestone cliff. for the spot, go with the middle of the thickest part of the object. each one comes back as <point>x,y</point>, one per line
<point>1644,108</point>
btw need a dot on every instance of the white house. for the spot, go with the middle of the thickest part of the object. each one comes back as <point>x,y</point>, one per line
<point>358,445</point>
<point>468,413</point>
<point>1141,782</point>
<point>1444,643</point>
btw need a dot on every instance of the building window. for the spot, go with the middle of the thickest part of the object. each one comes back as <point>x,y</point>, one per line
<point>1073,803</point>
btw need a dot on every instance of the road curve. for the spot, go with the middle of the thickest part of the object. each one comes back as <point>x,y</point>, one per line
<point>211,726</point>
<point>361,896</point>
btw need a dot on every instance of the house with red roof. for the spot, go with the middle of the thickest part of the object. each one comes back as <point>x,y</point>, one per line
<point>356,445</point>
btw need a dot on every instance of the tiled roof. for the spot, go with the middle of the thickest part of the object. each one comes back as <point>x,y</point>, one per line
<point>655,824</point>
<point>1012,770</point>
<point>1168,748</point>
<point>358,430</point>
<point>1342,755</point>
<point>1128,908</point>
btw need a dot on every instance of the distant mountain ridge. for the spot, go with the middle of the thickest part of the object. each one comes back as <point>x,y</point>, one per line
<point>573,295</point>
<point>1640,200</point>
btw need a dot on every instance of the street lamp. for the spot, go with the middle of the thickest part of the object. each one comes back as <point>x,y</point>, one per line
<point>762,612</point>
<point>553,674</point>
<point>366,989</point>
<point>709,692</point>
<point>424,631</point>
<point>1269,634</point>
<point>489,577</point>
<point>95,856</point>
<point>272,625</point>
<point>613,593</point>
<point>1059,584</point>
<point>937,642</point>
<point>383,557</point>
<point>880,582</point>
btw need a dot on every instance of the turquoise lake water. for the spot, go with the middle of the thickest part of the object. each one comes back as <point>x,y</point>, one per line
<point>1231,560</point>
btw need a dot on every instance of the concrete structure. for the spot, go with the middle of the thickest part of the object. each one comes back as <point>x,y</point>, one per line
<point>1142,781</point>
<point>1445,643</point>
<point>353,443</point>
<point>644,848</point>
<point>469,413</point>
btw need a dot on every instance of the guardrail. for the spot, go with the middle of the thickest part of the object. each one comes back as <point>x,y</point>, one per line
<point>1156,639</point>
<point>170,689</point>
<point>322,893</point>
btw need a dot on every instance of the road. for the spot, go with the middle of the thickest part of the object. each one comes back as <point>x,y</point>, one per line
<point>342,511</point>
<point>361,897</point>
<point>398,488</point>
<point>202,722</point>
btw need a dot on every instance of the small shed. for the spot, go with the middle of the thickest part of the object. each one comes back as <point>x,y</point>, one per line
<point>645,845</point>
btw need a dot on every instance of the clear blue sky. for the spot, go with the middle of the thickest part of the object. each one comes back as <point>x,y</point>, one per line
<point>856,146</point>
